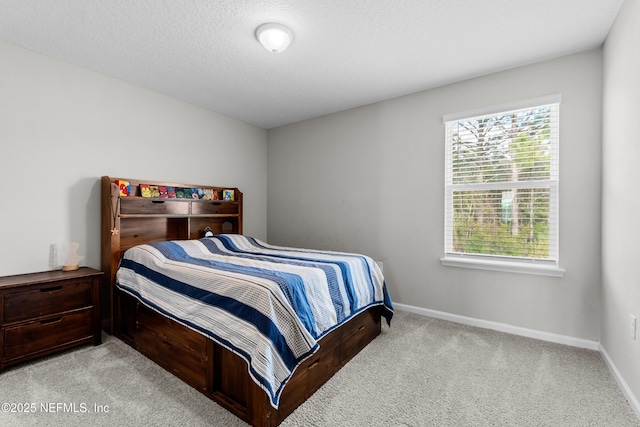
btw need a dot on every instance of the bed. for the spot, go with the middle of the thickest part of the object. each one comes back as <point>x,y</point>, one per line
<point>256,327</point>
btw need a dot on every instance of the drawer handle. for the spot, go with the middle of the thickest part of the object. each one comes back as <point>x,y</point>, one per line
<point>216,203</point>
<point>158,202</point>
<point>313,365</point>
<point>52,289</point>
<point>54,320</point>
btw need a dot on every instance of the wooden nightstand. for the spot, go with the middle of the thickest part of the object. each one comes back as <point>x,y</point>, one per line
<point>41,313</point>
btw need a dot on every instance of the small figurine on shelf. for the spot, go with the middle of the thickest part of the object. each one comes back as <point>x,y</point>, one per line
<point>207,232</point>
<point>227,195</point>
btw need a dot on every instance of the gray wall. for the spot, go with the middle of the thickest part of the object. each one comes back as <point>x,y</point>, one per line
<point>62,127</point>
<point>620,195</point>
<point>371,180</point>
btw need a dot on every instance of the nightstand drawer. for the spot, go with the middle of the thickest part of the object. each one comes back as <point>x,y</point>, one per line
<point>28,338</point>
<point>46,300</point>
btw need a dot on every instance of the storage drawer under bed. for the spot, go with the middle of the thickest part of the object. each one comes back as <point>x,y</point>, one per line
<point>181,351</point>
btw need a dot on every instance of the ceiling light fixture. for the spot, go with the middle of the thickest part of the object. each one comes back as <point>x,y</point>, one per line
<point>274,37</point>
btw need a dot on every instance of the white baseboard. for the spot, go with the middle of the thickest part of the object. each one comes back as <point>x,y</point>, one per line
<point>531,333</point>
<point>501,327</point>
<point>633,401</point>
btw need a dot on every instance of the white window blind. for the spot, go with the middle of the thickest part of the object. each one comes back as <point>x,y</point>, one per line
<point>501,185</point>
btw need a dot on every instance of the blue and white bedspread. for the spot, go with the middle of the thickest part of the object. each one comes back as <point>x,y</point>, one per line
<point>268,304</point>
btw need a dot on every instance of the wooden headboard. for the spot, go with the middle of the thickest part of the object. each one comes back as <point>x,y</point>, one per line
<point>133,220</point>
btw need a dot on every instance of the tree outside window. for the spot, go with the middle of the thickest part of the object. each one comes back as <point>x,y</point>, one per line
<point>502,184</point>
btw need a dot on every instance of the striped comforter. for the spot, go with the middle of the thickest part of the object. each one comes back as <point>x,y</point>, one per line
<point>268,304</point>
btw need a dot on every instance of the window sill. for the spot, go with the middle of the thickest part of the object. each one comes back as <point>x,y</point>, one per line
<point>504,266</point>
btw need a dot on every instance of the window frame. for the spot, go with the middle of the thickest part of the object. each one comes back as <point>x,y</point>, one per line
<point>545,267</point>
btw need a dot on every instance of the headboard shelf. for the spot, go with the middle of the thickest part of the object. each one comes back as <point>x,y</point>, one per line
<point>133,220</point>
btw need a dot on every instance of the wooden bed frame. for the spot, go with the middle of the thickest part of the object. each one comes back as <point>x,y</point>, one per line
<point>199,361</point>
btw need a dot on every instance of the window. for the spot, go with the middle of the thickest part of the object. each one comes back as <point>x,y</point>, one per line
<point>501,188</point>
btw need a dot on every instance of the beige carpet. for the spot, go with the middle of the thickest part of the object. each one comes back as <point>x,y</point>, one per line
<point>420,372</point>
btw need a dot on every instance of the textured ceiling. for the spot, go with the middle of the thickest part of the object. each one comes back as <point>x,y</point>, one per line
<point>345,53</point>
